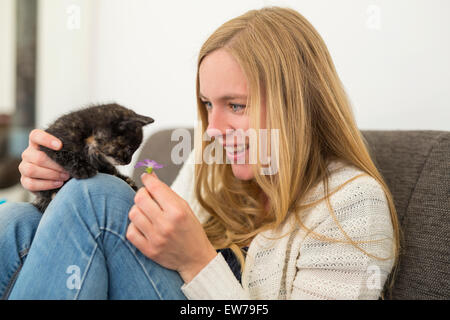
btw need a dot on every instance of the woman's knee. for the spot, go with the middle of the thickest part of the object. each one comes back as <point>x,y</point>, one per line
<point>19,218</point>
<point>100,184</point>
<point>103,200</point>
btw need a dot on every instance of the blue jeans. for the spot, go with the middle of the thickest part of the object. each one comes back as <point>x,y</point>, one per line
<point>78,249</point>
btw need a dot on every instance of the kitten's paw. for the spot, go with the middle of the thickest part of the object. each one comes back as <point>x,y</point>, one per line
<point>43,199</point>
<point>83,172</point>
<point>41,203</point>
<point>132,185</point>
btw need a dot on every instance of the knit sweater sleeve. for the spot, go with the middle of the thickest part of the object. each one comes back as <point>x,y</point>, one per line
<point>333,270</point>
<point>216,281</point>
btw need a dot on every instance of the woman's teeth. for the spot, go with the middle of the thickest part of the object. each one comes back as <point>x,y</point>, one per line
<point>237,149</point>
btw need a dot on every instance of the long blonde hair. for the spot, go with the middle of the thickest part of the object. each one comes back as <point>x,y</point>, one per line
<point>284,58</point>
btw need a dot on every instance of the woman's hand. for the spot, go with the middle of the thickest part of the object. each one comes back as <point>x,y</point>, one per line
<point>164,228</point>
<point>38,171</point>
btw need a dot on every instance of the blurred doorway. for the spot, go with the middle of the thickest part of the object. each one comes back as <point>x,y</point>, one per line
<point>18,84</point>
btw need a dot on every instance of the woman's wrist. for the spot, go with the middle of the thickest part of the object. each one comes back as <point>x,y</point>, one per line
<point>189,272</point>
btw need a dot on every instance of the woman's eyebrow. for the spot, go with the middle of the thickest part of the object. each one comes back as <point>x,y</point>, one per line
<point>228,97</point>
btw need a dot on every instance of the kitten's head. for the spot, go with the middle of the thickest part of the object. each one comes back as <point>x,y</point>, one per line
<point>118,141</point>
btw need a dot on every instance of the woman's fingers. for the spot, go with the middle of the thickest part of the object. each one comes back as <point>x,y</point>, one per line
<point>147,205</point>
<point>38,171</point>
<point>140,221</point>
<point>134,235</point>
<point>33,154</point>
<point>34,185</point>
<point>40,137</point>
<point>40,159</point>
<point>31,170</point>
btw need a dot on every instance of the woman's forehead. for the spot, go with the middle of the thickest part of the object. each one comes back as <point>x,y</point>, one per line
<point>221,76</point>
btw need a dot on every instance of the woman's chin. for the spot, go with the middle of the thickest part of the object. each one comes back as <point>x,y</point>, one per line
<point>242,171</point>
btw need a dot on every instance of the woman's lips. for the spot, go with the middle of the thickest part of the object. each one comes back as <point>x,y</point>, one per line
<point>236,152</point>
<point>236,148</point>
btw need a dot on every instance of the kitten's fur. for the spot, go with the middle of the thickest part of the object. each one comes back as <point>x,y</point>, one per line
<point>94,140</point>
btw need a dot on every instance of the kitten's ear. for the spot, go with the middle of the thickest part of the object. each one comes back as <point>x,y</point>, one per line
<point>137,120</point>
<point>142,119</point>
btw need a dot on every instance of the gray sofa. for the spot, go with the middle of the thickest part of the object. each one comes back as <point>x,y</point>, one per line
<point>416,167</point>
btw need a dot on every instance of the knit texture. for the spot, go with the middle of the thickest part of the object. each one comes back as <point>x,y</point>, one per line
<point>297,265</point>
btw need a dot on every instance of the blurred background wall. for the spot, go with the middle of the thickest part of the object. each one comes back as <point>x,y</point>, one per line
<point>7,56</point>
<point>392,56</point>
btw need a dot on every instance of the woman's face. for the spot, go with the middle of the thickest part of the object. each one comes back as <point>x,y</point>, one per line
<point>223,90</point>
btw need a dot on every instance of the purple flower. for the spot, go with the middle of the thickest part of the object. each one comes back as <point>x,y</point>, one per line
<point>149,164</point>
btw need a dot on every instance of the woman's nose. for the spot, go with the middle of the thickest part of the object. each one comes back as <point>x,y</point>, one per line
<point>217,123</point>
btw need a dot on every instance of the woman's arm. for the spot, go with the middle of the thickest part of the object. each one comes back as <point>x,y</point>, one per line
<point>327,270</point>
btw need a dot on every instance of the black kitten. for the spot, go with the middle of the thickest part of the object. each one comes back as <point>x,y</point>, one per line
<point>95,139</point>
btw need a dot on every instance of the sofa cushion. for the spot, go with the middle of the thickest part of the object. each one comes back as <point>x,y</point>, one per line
<point>416,167</point>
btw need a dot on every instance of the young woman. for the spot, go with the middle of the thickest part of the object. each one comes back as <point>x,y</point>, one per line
<point>322,226</point>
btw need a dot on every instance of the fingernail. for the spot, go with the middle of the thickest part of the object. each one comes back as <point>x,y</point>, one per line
<point>64,176</point>
<point>56,144</point>
<point>57,183</point>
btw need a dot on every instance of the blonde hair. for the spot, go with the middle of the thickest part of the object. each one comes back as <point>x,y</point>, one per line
<point>284,58</point>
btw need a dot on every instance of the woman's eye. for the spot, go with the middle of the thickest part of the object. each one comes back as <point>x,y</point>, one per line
<point>207,104</point>
<point>237,107</point>
<point>234,107</point>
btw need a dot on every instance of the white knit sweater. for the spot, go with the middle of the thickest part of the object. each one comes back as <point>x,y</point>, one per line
<point>300,267</point>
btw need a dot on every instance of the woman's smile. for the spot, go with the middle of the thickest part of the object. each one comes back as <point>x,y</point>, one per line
<point>224,94</point>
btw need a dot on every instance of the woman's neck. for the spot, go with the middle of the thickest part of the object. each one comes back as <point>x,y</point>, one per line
<point>266,203</point>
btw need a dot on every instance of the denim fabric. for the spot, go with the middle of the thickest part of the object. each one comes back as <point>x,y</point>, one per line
<point>78,249</point>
